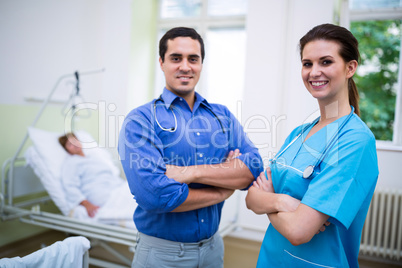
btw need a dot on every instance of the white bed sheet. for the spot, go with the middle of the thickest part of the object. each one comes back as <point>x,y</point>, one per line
<point>46,157</point>
<point>62,254</point>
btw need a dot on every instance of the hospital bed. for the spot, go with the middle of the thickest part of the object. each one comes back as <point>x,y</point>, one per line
<point>31,179</point>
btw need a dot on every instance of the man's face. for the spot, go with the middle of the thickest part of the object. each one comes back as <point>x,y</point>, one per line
<point>182,65</point>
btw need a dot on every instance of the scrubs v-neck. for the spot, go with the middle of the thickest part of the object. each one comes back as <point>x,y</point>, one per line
<point>341,187</point>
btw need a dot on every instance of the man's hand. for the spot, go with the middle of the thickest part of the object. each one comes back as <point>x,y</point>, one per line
<point>232,155</point>
<point>91,208</point>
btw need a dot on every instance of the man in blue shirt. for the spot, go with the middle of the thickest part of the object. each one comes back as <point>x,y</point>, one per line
<point>183,157</point>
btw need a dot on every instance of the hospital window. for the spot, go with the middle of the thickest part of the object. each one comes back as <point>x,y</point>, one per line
<point>377,26</point>
<point>221,23</point>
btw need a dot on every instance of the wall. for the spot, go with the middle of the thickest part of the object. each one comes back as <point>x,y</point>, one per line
<point>143,55</point>
<point>389,162</point>
<point>45,39</point>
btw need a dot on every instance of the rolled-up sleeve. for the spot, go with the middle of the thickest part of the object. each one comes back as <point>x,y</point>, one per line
<point>142,158</point>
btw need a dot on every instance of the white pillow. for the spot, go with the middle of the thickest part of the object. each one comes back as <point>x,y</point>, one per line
<point>47,158</point>
<point>53,154</point>
<point>48,147</point>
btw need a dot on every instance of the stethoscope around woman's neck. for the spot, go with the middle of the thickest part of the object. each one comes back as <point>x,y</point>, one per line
<point>309,170</point>
<point>173,129</point>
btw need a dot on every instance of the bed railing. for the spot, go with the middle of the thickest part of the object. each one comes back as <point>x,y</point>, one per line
<point>11,162</point>
<point>15,173</point>
<point>30,212</point>
<point>22,182</point>
<point>28,184</point>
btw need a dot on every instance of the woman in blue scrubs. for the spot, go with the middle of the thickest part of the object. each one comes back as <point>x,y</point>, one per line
<point>317,190</point>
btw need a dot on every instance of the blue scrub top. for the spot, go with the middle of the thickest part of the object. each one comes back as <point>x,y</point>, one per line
<point>341,187</point>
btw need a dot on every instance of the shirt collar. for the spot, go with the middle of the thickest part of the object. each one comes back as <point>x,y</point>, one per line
<point>169,97</point>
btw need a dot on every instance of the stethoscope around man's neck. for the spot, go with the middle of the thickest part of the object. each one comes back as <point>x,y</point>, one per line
<point>309,170</point>
<point>173,129</point>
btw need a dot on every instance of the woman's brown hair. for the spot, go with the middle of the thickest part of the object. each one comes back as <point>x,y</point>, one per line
<point>349,50</point>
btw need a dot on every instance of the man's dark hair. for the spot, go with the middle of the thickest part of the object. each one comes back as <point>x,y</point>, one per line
<point>179,32</point>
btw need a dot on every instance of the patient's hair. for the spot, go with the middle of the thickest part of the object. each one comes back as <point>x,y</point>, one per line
<point>63,139</point>
<point>349,50</point>
<point>179,32</point>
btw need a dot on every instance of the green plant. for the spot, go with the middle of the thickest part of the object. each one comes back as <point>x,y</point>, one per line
<point>377,76</point>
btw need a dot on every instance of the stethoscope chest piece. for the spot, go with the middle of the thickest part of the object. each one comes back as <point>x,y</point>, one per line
<point>310,169</point>
<point>308,172</point>
<point>172,129</point>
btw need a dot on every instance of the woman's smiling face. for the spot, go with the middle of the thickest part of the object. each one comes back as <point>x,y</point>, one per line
<point>324,72</point>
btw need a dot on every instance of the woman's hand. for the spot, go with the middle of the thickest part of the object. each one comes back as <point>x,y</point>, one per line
<point>322,229</point>
<point>261,197</point>
<point>264,183</point>
<point>285,203</point>
<point>263,202</point>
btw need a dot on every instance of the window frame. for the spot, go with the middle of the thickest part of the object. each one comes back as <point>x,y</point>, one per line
<point>201,23</point>
<point>348,15</point>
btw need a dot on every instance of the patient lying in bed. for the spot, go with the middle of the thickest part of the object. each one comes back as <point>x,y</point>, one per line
<point>87,180</point>
<point>49,162</point>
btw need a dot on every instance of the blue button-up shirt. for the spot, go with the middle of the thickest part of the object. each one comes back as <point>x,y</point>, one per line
<point>147,143</point>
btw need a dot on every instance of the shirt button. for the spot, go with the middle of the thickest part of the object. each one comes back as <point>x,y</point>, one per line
<point>202,220</point>
<point>181,99</point>
<point>198,134</point>
<point>201,155</point>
